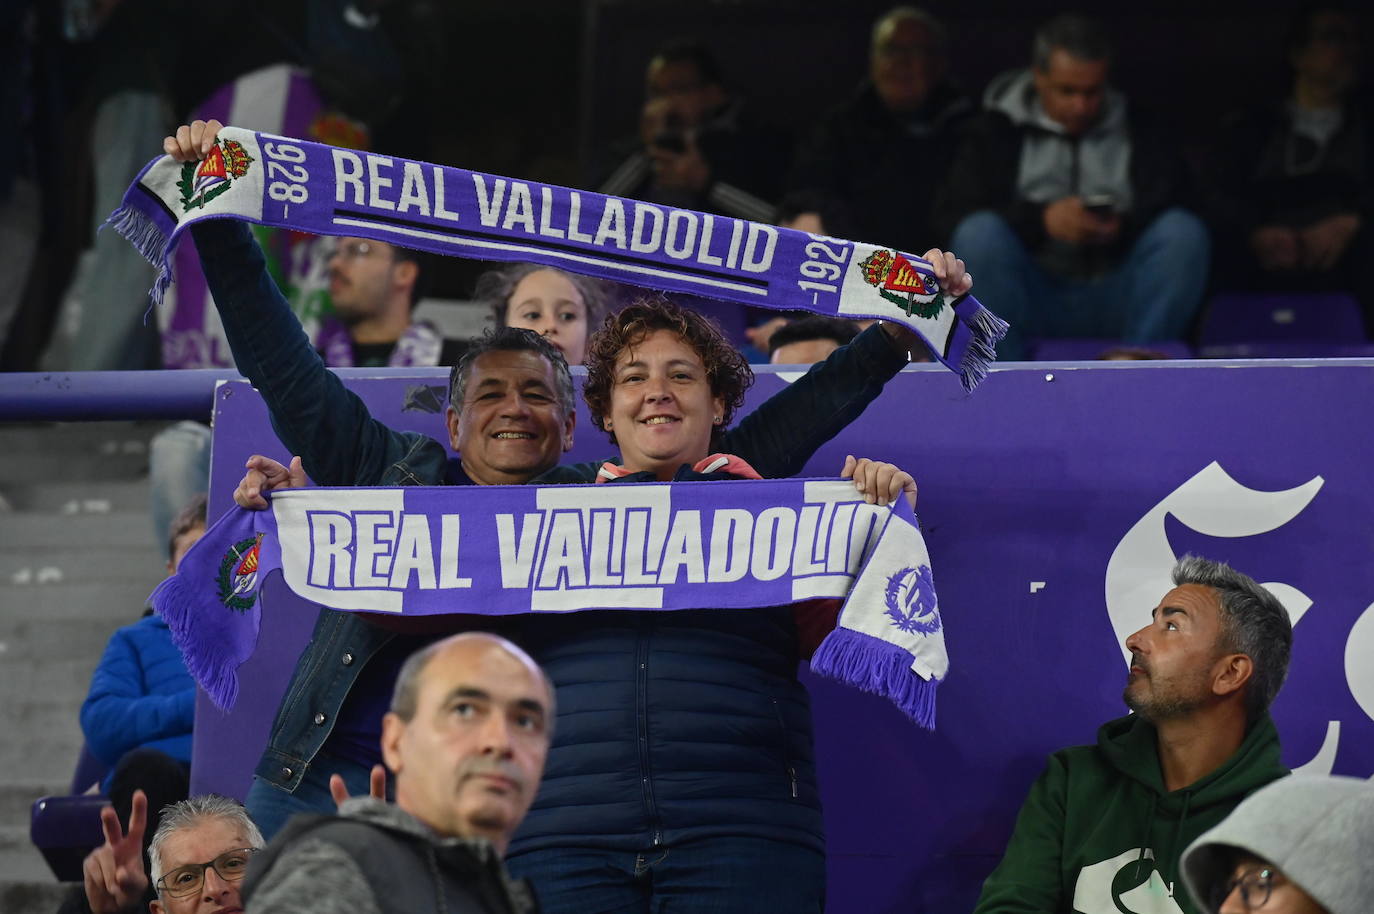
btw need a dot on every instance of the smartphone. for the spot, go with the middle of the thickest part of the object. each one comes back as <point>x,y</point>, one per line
<point>1100,204</point>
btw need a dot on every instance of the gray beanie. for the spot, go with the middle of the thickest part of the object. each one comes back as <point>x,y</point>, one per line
<point>1319,830</point>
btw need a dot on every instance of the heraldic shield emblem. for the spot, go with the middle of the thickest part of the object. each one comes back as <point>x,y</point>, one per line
<point>203,182</point>
<point>237,582</point>
<point>911,604</point>
<point>898,281</point>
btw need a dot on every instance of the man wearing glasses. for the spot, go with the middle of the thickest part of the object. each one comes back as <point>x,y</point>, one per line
<point>1104,826</point>
<point>374,287</point>
<point>197,859</point>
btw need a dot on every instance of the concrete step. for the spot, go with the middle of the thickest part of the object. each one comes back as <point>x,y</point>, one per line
<point>100,529</point>
<point>74,451</point>
<point>33,897</point>
<point>20,861</point>
<point>116,600</point>
<point>43,566</point>
<point>69,498</point>
<point>16,798</point>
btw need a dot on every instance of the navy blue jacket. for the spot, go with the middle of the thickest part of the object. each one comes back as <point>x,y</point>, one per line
<point>671,726</point>
<point>141,696</point>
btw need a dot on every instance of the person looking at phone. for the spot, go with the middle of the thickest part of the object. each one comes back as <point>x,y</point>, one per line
<point>1070,201</point>
<point>698,147</point>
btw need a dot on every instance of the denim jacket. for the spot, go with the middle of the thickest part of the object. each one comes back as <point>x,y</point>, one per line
<point>637,720</point>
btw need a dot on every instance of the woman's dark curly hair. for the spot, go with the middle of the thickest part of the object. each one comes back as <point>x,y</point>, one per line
<point>726,369</point>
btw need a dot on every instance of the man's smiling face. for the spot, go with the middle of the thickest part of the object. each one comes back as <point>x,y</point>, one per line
<point>512,426</point>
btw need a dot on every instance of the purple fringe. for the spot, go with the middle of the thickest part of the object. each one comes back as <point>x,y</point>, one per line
<point>150,240</point>
<point>985,330</point>
<point>209,660</point>
<point>879,668</point>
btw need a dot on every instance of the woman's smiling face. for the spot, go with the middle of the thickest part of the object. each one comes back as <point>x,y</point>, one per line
<point>662,407</point>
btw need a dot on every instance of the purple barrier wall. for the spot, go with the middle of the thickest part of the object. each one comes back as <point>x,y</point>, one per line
<point>1053,500</point>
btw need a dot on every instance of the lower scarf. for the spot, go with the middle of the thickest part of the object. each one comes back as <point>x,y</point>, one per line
<point>501,550</point>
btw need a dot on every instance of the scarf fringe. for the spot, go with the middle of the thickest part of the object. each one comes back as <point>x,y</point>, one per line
<point>208,661</point>
<point>147,236</point>
<point>986,330</point>
<point>879,668</point>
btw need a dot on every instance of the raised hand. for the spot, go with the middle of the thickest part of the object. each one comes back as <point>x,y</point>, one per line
<point>376,786</point>
<point>114,874</point>
<point>265,474</point>
<point>192,141</point>
<point>879,483</point>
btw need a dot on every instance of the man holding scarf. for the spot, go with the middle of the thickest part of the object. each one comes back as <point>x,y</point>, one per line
<point>510,413</point>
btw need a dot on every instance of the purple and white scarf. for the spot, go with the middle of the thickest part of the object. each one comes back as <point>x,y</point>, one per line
<point>501,550</point>
<point>326,190</point>
<point>420,345</point>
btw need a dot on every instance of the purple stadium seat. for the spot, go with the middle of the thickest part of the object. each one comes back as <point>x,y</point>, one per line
<point>1254,317</point>
<point>67,828</point>
<point>1091,349</point>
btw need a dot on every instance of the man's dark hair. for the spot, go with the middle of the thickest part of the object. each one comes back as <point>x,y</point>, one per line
<point>1253,623</point>
<point>692,51</point>
<point>423,263</point>
<point>191,516</point>
<point>813,327</point>
<point>727,372</point>
<point>1078,36</point>
<point>511,339</point>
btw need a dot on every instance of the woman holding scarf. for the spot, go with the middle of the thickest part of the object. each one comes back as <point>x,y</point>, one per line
<point>682,763</point>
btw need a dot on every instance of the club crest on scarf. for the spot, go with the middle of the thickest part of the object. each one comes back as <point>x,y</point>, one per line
<point>199,184</point>
<point>237,583</point>
<point>898,281</point>
<point>911,603</point>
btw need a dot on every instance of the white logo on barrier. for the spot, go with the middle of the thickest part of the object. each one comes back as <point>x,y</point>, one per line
<point>1214,504</point>
<point>1096,890</point>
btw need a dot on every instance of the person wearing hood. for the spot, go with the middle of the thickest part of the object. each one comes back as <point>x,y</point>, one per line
<point>1299,846</point>
<point>1071,199</point>
<point>1104,826</point>
<point>883,150</point>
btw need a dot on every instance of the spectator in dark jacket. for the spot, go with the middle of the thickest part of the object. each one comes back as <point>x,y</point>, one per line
<point>884,150</point>
<point>699,147</point>
<point>1069,202</point>
<point>1291,180</point>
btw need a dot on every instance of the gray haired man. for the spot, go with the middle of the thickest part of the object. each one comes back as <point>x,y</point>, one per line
<point>1104,826</point>
<point>197,858</point>
<point>466,738</point>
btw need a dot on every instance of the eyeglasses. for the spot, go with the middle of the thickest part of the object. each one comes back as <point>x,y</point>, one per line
<point>187,880</point>
<point>353,250</point>
<point>1254,886</point>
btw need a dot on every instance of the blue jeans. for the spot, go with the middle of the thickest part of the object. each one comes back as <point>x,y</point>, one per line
<point>271,807</point>
<point>178,470</point>
<point>735,875</point>
<point>1151,295</point>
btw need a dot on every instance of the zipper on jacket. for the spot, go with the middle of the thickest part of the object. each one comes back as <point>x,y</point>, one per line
<point>786,757</point>
<point>642,727</point>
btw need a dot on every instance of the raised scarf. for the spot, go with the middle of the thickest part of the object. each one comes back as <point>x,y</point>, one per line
<point>326,190</point>
<point>501,550</point>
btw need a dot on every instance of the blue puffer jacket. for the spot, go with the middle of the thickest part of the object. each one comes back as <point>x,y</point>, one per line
<point>671,726</point>
<point>141,696</point>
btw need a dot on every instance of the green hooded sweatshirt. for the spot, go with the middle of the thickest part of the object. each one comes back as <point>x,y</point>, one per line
<point>1098,834</point>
